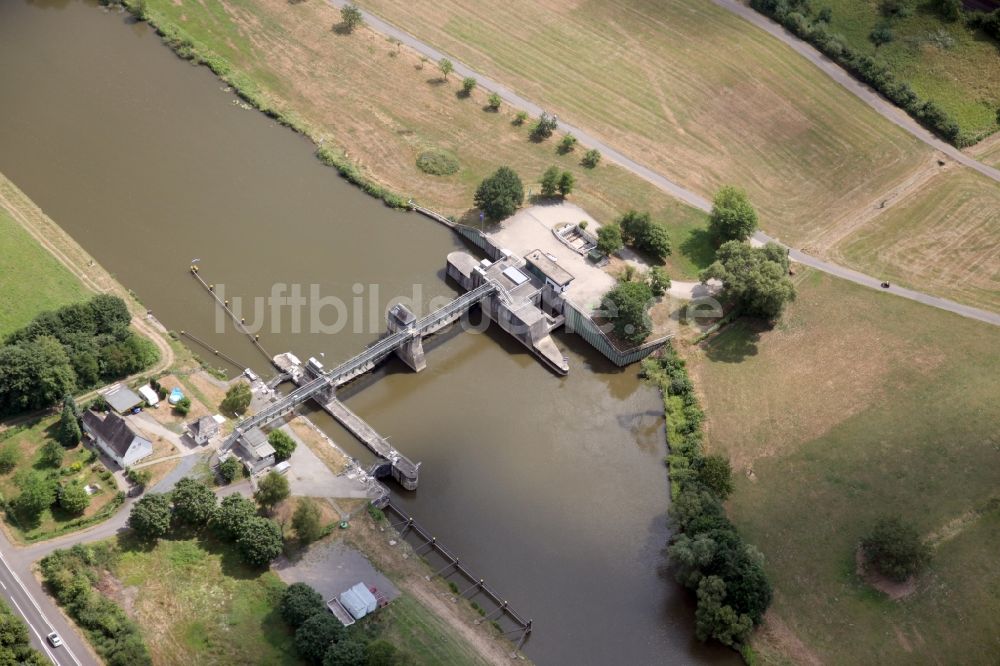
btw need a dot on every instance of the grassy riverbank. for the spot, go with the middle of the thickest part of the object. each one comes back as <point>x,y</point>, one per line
<point>874,405</point>
<point>377,107</point>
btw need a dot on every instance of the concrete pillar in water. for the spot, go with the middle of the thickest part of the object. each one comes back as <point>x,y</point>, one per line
<point>411,353</point>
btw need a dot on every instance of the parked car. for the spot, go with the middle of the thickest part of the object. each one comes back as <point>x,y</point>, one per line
<point>54,639</point>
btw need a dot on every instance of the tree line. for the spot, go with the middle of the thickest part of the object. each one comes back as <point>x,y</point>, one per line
<point>70,349</point>
<point>707,553</point>
<point>15,643</point>
<point>799,17</point>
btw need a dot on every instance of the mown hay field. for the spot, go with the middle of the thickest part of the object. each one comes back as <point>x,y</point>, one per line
<point>859,404</point>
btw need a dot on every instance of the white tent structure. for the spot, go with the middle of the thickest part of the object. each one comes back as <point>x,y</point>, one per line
<point>359,601</point>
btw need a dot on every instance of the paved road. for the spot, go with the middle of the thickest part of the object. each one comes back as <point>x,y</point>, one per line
<point>26,597</point>
<point>701,202</point>
<point>886,109</point>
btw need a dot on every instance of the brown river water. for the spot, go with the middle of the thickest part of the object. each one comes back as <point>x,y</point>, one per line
<point>553,488</point>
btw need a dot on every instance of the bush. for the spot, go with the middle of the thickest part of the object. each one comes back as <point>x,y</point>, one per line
<point>306,521</point>
<point>10,455</point>
<point>468,85</point>
<point>194,502</point>
<point>259,541</point>
<point>732,216</point>
<point>183,406</point>
<point>567,144</point>
<point>73,498</point>
<point>544,127</point>
<point>272,490</point>
<point>150,516</point>
<point>347,652</point>
<point>230,469</point>
<point>299,602</point>
<point>283,444</point>
<point>566,184</point>
<point>894,549</point>
<point>437,163</point>
<point>717,475</point>
<point>520,117</point>
<point>494,101</point>
<point>550,182</point>
<point>237,399</point>
<point>626,305</point>
<point>591,158</point>
<point>659,281</point>
<point>499,195</point>
<point>351,18</point>
<point>315,636</point>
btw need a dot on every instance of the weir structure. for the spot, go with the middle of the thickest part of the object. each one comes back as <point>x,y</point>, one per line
<point>405,339</point>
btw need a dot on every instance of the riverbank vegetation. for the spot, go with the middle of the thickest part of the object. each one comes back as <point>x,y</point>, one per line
<point>874,406</point>
<point>70,349</point>
<point>707,552</point>
<point>936,60</point>
<point>44,482</point>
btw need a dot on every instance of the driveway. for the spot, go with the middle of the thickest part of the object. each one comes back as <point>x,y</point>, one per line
<point>310,477</point>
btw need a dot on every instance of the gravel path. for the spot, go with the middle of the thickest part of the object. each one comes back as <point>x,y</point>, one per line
<point>882,107</point>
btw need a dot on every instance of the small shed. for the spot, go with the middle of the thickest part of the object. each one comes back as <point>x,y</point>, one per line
<point>359,601</point>
<point>149,395</point>
<point>122,399</point>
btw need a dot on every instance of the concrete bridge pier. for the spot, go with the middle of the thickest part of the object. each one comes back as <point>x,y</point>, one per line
<point>400,318</point>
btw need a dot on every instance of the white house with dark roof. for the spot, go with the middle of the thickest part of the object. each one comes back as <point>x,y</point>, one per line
<point>116,439</point>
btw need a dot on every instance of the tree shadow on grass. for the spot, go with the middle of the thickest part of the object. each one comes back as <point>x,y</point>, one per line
<point>129,541</point>
<point>737,342</point>
<point>699,248</point>
<point>231,562</point>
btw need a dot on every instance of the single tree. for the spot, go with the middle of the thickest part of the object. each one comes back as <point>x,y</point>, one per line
<point>633,224</point>
<point>659,281</point>
<point>194,502</point>
<point>520,117</point>
<point>38,493</point>
<point>756,278</point>
<point>609,238</point>
<point>316,635</point>
<point>351,18</point>
<point>347,652</point>
<point>307,521</point>
<point>230,468</point>
<point>150,516</point>
<point>140,477</point>
<point>234,512</point>
<point>468,85</point>
<point>627,307</point>
<point>499,195</point>
<point>566,183</point>
<point>283,444</point>
<point>299,602</point>
<point>544,127</point>
<point>714,619</point>
<point>237,399</point>
<point>591,158</point>
<point>732,216</point>
<point>69,427</point>
<point>446,67</point>
<point>51,453</point>
<point>273,489</point>
<point>567,144</point>
<point>494,101</point>
<point>894,549</point>
<point>73,498</point>
<point>654,240</point>
<point>716,473</point>
<point>259,541</point>
<point>550,181</point>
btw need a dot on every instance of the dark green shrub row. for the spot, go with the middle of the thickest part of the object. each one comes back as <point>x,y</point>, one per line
<point>707,553</point>
<point>71,575</point>
<point>797,16</point>
<point>186,47</point>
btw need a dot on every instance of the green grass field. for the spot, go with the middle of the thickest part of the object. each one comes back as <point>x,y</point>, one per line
<point>943,61</point>
<point>688,89</point>
<point>872,405</point>
<point>423,635</point>
<point>943,239</point>
<point>79,466</point>
<point>196,602</point>
<point>31,280</point>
